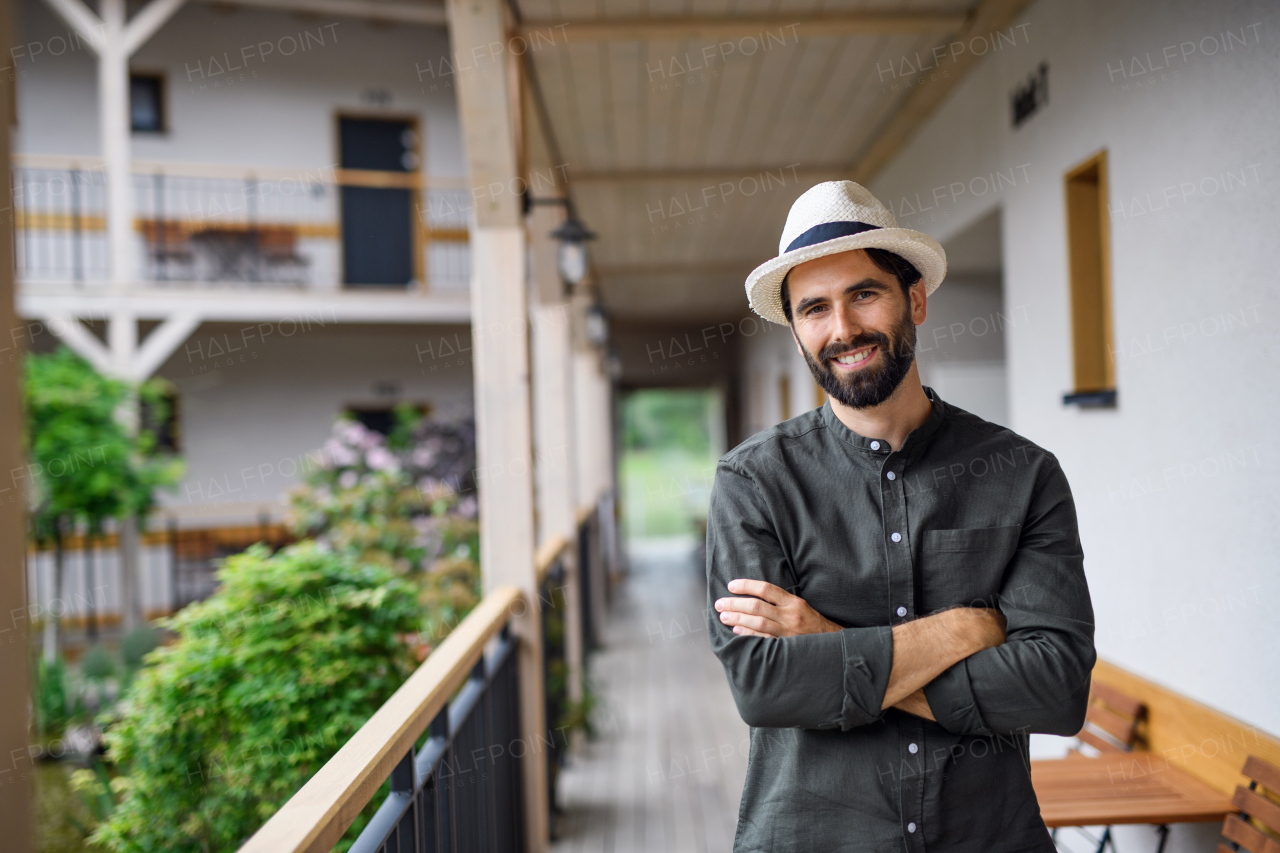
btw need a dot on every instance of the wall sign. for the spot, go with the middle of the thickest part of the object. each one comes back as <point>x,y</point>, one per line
<point>1029,97</point>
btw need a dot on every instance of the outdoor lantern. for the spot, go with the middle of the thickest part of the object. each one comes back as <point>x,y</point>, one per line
<point>573,237</point>
<point>596,325</point>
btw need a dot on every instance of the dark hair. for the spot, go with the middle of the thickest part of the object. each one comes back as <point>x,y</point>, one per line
<point>901,268</point>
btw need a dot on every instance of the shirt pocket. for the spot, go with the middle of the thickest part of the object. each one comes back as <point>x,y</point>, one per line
<point>964,568</point>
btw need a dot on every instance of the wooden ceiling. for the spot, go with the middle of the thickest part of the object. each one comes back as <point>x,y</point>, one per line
<point>687,129</point>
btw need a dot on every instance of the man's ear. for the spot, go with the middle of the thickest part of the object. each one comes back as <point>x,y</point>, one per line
<point>919,303</point>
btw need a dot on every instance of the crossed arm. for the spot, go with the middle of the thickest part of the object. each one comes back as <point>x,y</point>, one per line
<point>957,666</point>
<point>922,649</point>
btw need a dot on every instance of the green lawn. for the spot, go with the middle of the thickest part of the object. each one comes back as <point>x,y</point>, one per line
<point>664,491</point>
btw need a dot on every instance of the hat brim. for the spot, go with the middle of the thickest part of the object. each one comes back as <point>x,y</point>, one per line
<point>764,285</point>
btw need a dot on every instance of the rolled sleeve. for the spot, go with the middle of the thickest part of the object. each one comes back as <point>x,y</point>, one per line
<point>868,659</point>
<point>818,681</point>
<point>952,702</point>
<point>1038,680</point>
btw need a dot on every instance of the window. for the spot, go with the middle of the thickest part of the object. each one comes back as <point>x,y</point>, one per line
<point>160,418</point>
<point>1089,259</point>
<point>385,420</point>
<point>146,103</point>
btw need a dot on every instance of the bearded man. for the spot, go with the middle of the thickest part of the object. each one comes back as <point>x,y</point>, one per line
<point>896,587</point>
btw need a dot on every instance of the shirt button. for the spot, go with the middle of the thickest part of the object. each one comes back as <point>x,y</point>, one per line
<point>912,748</point>
<point>901,611</point>
<point>911,827</point>
<point>896,537</point>
<point>875,445</point>
<point>891,475</point>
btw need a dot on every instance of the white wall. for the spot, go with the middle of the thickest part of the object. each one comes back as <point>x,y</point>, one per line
<point>258,401</point>
<point>275,111</point>
<point>1175,487</point>
<point>246,88</point>
<point>769,353</point>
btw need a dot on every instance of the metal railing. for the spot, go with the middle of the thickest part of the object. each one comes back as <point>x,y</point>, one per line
<point>461,792</point>
<point>554,606</point>
<point>443,798</point>
<point>222,225</point>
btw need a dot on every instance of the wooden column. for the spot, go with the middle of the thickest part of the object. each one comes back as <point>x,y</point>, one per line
<point>555,465</point>
<point>17,772</point>
<point>592,443</point>
<point>488,109</point>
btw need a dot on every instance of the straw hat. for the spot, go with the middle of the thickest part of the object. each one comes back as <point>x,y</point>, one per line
<point>839,216</point>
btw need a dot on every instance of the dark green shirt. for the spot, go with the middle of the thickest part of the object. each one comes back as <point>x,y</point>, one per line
<point>965,513</point>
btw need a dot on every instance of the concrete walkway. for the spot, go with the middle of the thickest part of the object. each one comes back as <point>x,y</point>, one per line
<point>665,772</point>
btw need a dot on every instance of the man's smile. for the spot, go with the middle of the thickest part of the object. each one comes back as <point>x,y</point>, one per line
<point>855,360</point>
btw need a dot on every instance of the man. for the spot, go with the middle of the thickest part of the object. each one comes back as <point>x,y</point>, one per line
<point>862,561</point>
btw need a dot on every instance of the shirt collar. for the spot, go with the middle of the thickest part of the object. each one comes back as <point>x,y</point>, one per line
<point>915,442</point>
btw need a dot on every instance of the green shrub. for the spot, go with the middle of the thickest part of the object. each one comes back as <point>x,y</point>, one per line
<point>51,697</point>
<point>266,680</point>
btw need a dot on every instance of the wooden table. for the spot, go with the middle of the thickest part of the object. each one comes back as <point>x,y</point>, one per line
<point>1134,787</point>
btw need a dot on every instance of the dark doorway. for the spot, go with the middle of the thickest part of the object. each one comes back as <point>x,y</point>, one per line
<point>377,222</point>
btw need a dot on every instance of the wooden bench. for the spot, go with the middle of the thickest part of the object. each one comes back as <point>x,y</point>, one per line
<point>1162,759</point>
<point>1257,827</point>
<point>1111,721</point>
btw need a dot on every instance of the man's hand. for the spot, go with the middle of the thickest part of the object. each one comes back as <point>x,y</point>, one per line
<point>772,612</point>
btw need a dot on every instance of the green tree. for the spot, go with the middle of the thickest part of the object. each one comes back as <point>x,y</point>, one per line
<point>85,464</point>
<point>267,679</point>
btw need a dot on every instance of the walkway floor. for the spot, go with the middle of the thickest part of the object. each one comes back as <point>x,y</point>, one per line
<point>665,772</point>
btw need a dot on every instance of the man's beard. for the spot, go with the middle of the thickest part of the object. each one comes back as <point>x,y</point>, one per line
<point>873,384</point>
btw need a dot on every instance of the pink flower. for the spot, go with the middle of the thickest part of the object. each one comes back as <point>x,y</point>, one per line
<point>380,459</point>
<point>337,454</point>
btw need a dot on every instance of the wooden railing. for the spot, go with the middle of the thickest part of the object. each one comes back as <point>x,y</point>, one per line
<point>462,789</point>
<point>435,805</point>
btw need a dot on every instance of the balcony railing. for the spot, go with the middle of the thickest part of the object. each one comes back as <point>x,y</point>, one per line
<point>459,793</point>
<point>462,788</point>
<point>223,225</point>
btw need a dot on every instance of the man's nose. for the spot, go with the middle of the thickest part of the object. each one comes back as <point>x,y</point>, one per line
<point>845,323</point>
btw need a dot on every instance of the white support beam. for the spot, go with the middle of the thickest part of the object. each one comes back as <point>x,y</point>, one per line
<point>161,343</point>
<point>82,21</point>
<point>113,124</point>
<point>149,19</point>
<point>122,340</point>
<point>114,38</point>
<point>783,28</point>
<point>82,341</point>
<point>303,309</point>
<point>430,14</point>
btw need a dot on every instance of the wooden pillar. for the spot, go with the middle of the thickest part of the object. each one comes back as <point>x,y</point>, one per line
<point>17,772</point>
<point>592,440</point>
<point>487,106</point>
<point>555,465</point>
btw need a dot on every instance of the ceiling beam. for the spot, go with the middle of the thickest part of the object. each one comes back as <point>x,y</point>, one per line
<point>693,267</point>
<point>986,18</point>
<point>400,11</point>
<point>782,28</point>
<point>790,172</point>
